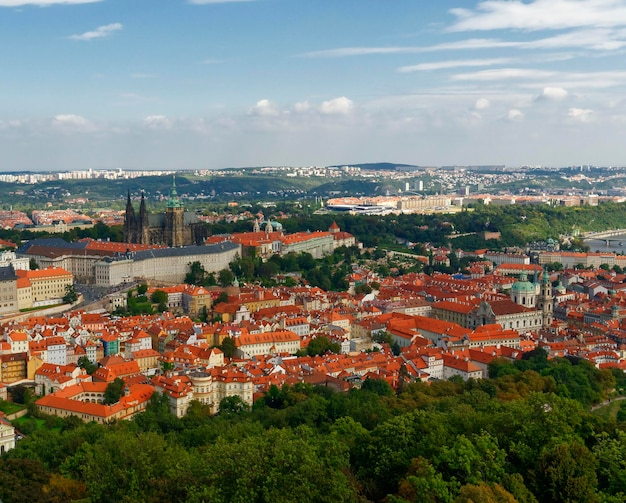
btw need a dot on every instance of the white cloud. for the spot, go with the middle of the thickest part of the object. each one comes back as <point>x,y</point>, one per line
<point>515,115</point>
<point>264,108</point>
<point>337,106</point>
<point>100,32</point>
<point>481,104</point>
<point>157,122</point>
<point>302,107</point>
<point>443,65</point>
<point>540,15</point>
<point>600,39</point>
<point>42,3</point>
<point>580,114</point>
<point>553,94</point>
<point>71,123</point>
<point>504,74</point>
<point>360,51</point>
<point>70,119</point>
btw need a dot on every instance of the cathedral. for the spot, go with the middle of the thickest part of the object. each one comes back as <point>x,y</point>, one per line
<point>175,227</point>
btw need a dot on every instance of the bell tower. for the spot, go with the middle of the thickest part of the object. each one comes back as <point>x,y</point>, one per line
<point>546,300</point>
<point>174,218</point>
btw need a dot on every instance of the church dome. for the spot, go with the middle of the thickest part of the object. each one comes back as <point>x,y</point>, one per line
<point>523,286</point>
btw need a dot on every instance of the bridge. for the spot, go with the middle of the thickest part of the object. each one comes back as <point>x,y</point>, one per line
<point>607,235</point>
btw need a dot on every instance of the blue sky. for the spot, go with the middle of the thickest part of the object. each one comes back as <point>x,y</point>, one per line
<point>186,84</point>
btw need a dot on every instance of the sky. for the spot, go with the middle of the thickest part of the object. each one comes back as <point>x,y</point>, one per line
<point>210,84</point>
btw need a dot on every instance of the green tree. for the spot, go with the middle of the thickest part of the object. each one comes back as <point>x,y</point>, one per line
<point>378,386</point>
<point>611,451</point>
<point>159,297</point>
<point>566,473</point>
<point>196,274</point>
<point>315,467</point>
<point>424,485</point>
<point>225,277</point>
<point>114,391</point>
<point>71,295</point>
<point>85,363</point>
<point>321,345</point>
<point>228,347</point>
<point>233,405</point>
<point>23,480</point>
<point>142,289</point>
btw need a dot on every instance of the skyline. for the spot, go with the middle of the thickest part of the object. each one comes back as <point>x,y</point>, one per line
<point>209,84</point>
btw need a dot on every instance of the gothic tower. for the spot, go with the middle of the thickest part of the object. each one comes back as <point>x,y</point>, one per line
<point>130,222</point>
<point>174,218</point>
<point>143,235</point>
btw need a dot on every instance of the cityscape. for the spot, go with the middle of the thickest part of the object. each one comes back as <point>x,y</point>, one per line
<point>288,251</point>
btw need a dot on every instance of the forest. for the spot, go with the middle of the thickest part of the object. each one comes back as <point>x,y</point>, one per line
<point>526,434</point>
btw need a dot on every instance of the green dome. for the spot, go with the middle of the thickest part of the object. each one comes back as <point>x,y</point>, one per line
<point>523,286</point>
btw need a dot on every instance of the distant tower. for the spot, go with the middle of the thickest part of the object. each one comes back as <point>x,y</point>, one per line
<point>174,218</point>
<point>143,236</point>
<point>130,222</point>
<point>256,227</point>
<point>545,302</point>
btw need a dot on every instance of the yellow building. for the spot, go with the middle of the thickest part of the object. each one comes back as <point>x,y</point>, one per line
<point>47,286</point>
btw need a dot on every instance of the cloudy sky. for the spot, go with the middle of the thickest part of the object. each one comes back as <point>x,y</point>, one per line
<point>183,84</point>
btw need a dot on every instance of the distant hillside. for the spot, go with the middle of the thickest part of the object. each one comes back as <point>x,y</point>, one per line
<point>379,166</point>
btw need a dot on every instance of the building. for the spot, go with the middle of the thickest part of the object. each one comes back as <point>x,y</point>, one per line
<point>175,227</point>
<point>86,401</point>
<point>7,436</point>
<point>285,341</point>
<point>8,290</point>
<point>13,367</point>
<point>169,265</point>
<point>46,286</point>
<point>273,241</point>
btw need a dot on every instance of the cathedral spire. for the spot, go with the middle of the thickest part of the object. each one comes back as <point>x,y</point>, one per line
<point>173,201</point>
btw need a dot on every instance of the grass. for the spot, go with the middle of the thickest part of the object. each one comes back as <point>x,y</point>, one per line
<point>10,407</point>
<point>610,410</point>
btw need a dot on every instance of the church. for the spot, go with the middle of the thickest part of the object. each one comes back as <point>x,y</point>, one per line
<point>176,227</point>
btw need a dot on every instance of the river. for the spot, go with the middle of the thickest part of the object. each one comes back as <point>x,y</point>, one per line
<point>617,244</point>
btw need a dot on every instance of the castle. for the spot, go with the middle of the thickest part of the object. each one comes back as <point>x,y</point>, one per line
<point>175,227</point>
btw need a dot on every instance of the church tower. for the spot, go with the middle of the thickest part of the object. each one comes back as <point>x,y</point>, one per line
<point>130,222</point>
<point>174,218</point>
<point>546,300</point>
<point>143,237</point>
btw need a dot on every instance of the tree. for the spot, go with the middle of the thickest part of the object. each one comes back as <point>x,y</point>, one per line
<point>71,295</point>
<point>225,277</point>
<point>485,493</point>
<point>33,265</point>
<point>424,485</point>
<point>378,386</point>
<point>228,347</point>
<point>233,405</point>
<point>161,298</point>
<point>321,345</point>
<point>196,274</point>
<point>566,472</point>
<point>222,297</point>
<point>85,363</point>
<point>142,289</point>
<point>114,391</point>
<point>21,394</point>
